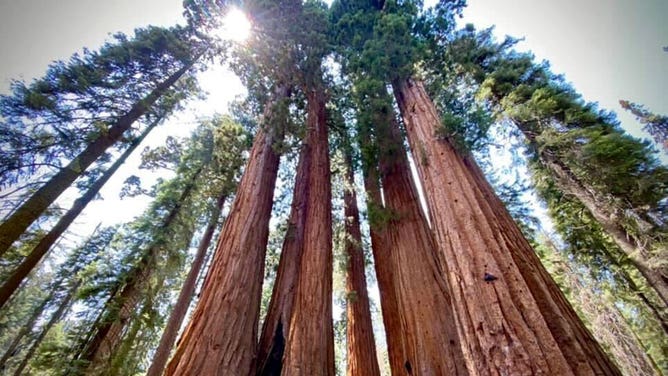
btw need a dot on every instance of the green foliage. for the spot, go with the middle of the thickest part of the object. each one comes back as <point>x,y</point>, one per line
<point>654,124</point>
<point>48,122</point>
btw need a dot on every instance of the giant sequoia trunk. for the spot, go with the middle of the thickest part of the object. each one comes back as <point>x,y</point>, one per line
<point>185,296</point>
<point>277,321</point>
<point>431,342</point>
<point>634,247</point>
<point>382,261</point>
<point>309,349</point>
<point>28,264</point>
<point>32,209</point>
<point>362,359</point>
<point>221,338</point>
<point>512,317</point>
<point>121,308</point>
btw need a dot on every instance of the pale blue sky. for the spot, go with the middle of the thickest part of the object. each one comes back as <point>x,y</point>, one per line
<point>609,49</point>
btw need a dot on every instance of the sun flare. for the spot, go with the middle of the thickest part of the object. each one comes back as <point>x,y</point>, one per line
<point>236,26</point>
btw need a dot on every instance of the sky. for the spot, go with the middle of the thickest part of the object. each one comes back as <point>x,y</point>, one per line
<point>609,50</point>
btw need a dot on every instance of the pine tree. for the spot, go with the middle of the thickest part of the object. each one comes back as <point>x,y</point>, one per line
<point>109,134</point>
<point>29,263</point>
<point>655,125</point>
<point>615,177</point>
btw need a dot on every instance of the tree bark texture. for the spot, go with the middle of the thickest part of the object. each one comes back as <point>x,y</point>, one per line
<point>362,359</point>
<point>513,319</point>
<point>382,261</point>
<point>425,308</point>
<point>32,209</point>
<point>221,337</point>
<point>309,349</point>
<point>185,296</point>
<point>277,322</point>
<point>28,264</point>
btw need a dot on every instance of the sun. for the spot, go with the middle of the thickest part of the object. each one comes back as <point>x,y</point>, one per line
<point>236,26</point>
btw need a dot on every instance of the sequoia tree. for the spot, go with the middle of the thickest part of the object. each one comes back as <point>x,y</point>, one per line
<point>614,176</point>
<point>361,355</point>
<point>517,306</point>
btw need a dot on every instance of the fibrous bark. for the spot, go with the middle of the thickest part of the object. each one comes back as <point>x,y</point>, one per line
<point>431,342</point>
<point>309,349</point>
<point>362,359</point>
<point>221,337</point>
<point>277,321</point>
<point>512,317</point>
<point>382,261</point>
<point>187,290</point>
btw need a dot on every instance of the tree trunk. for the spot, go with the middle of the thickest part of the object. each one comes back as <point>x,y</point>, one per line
<point>309,349</point>
<point>185,296</point>
<point>101,348</point>
<point>28,264</point>
<point>608,218</point>
<point>32,209</point>
<point>428,322</point>
<point>608,325</point>
<point>36,313</point>
<point>380,246</point>
<point>362,358</point>
<point>221,338</point>
<point>64,305</point>
<point>513,319</point>
<point>277,321</point>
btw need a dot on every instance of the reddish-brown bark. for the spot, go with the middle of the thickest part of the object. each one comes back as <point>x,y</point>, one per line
<point>512,317</point>
<point>423,297</point>
<point>221,338</point>
<point>277,321</point>
<point>362,359</point>
<point>382,261</point>
<point>185,296</point>
<point>309,349</point>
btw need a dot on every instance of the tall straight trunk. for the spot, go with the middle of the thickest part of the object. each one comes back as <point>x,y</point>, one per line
<point>62,307</point>
<point>431,341</point>
<point>221,338</point>
<point>32,209</point>
<point>53,288</point>
<point>385,276</point>
<point>512,317</point>
<point>277,321</point>
<point>608,324</point>
<point>635,248</point>
<point>28,264</point>
<point>100,349</point>
<point>362,359</point>
<point>309,349</point>
<point>185,296</point>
